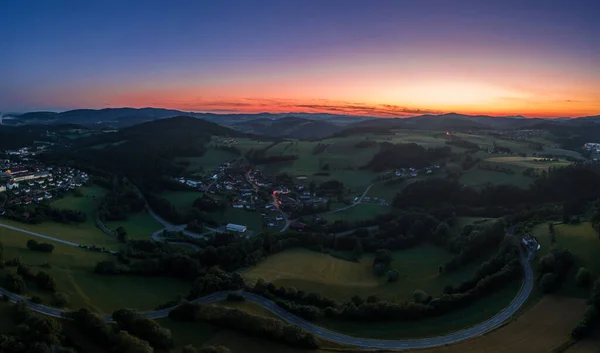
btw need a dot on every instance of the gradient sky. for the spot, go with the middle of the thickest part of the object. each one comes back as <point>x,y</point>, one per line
<point>385,58</point>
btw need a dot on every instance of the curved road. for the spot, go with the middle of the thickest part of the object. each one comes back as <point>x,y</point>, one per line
<point>318,331</point>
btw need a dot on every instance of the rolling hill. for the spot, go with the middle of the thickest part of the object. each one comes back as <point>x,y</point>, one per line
<point>289,127</point>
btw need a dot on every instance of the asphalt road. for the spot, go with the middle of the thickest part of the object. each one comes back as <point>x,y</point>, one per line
<point>66,242</point>
<point>323,333</point>
<point>354,204</point>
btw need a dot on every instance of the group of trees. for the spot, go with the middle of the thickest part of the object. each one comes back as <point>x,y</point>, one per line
<point>406,155</point>
<point>252,324</point>
<point>553,268</point>
<point>97,330</point>
<point>41,212</point>
<point>148,330</point>
<point>458,142</point>
<point>471,243</point>
<point>118,203</point>
<point>260,157</point>
<point>43,247</point>
<point>34,333</point>
<point>573,186</point>
<point>591,317</point>
<point>502,268</point>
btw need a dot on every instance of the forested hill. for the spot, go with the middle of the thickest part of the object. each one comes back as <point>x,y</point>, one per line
<point>147,150</point>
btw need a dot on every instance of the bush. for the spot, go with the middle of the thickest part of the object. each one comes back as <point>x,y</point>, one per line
<point>583,277</point>
<point>548,282</point>
<point>421,297</point>
<point>393,275</point>
<point>60,299</point>
<point>235,297</point>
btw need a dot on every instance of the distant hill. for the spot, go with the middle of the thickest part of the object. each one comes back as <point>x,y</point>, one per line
<point>122,117</point>
<point>147,150</point>
<point>289,127</point>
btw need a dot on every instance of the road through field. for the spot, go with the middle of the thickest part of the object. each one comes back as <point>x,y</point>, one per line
<point>318,331</point>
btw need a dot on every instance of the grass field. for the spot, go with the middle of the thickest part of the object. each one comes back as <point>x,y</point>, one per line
<point>182,200</point>
<point>476,177</point>
<point>82,233</point>
<point>249,219</point>
<point>72,269</point>
<point>527,162</point>
<point>589,345</point>
<point>360,212</point>
<point>541,329</point>
<point>138,225</point>
<point>581,240</point>
<point>211,159</point>
<point>340,279</point>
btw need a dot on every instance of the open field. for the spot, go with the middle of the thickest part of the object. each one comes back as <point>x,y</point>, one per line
<point>138,225</point>
<point>211,159</point>
<point>527,162</point>
<point>589,345</point>
<point>92,195</point>
<point>476,177</point>
<point>542,328</point>
<point>581,240</point>
<point>250,219</point>
<point>360,212</point>
<point>82,233</point>
<point>182,200</point>
<point>340,279</point>
<point>73,268</point>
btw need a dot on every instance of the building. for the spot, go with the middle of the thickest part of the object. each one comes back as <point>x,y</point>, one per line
<point>235,228</point>
<point>2,188</point>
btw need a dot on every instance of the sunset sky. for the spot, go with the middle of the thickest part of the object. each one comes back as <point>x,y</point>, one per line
<point>382,58</point>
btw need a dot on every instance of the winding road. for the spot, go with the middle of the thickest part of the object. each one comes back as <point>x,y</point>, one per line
<point>474,331</point>
<point>318,331</point>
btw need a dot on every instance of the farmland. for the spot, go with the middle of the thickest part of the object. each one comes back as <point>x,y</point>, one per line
<point>340,279</point>
<point>72,269</point>
<point>182,200</point>
<point>581,240</point>
<point>359,212</point>
<point>542,328</point>
<point>138,225</point>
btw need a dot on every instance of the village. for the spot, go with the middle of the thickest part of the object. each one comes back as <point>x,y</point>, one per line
<point>25,180</point>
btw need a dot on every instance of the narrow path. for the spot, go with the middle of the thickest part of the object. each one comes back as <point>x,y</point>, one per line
<point>353,204</point>
<point>66,242</point>
<point>329,335</point>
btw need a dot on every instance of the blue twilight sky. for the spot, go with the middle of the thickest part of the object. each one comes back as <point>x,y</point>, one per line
<point>538,58</point>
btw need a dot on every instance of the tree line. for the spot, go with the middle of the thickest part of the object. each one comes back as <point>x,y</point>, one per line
<point>501,269</point>
<point>256,325</point>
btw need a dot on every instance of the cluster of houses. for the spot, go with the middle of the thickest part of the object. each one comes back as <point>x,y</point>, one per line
<point>592,146</point>
<point>413,172</point>
<point>28,183</point>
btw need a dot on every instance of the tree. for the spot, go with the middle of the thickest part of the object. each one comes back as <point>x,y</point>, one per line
<point>379,269</point>
<point>60,299</point>
<point>552,233</point>
<point>421,296</point>
<point>383,256</point>
<point>583,277</point>
<point>121,234</point>
<point>358,248</point>
<point>45,281</point>
<point>1,250</point>
<point>15,283</point>
<point>392,275</point>
<point>548,282</point>
<point>126,343</point>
